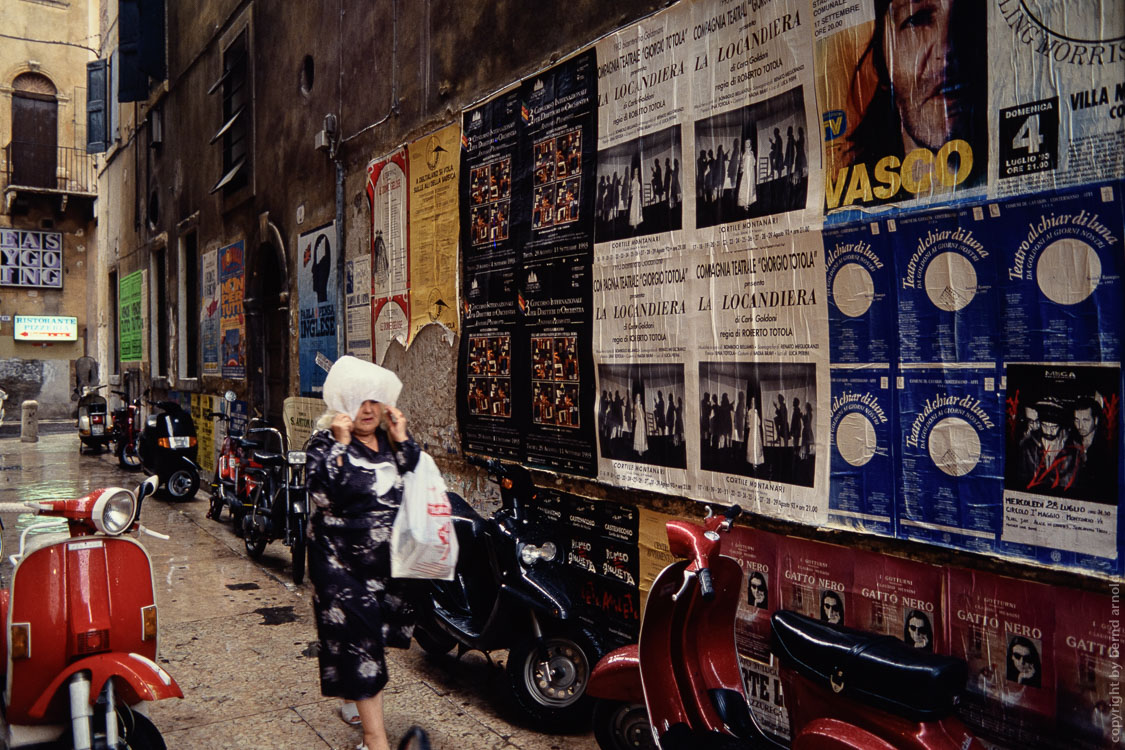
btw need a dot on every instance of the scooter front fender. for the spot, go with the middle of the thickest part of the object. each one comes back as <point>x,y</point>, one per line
<point>190,464</point>
<point>617,676</point>
<point>137,678</point>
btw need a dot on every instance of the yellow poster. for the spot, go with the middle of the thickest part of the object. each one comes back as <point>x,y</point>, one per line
<point>300,414</point>
<point>434,164</point>
<point>201,406</point>
<point>653,547</point>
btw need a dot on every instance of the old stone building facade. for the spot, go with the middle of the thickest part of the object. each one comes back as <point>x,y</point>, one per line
<point>47,237</point>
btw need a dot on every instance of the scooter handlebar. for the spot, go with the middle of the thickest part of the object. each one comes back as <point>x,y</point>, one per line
<point>706,585</point>
<point>491,465</point>
<point>15,508</point>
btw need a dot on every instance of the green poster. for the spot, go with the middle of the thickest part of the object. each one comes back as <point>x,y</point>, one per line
<point>130,318</point>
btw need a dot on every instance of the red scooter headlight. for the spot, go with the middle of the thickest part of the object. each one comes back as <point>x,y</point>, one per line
<point>114,512</point>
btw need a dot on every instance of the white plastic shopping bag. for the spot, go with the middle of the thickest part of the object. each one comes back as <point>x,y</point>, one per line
<point>423,544</point>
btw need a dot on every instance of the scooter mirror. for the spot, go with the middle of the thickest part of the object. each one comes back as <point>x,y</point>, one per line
<point>148,487</point>
<point>229,397</point>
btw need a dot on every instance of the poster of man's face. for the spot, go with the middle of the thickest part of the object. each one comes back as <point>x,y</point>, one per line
<point>918,631</point>
<point>1024,667</point>
<point>832,607</point>
<point>911,81</point>
<point>1063,431</point>
<point>757,591</point>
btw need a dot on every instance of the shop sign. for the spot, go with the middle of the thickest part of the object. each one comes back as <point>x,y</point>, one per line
<point>45,328</point>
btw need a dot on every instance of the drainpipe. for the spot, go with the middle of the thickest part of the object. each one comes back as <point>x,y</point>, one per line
<point>341,314</point>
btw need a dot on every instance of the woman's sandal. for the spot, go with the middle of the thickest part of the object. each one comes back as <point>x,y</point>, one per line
<point>350,714</point>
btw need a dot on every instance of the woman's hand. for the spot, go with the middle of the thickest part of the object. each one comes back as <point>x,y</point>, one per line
<point>395,424</point>
<point>342,428</point>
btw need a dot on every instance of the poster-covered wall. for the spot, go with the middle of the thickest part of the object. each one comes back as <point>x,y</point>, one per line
<point>710,313</point>
<point>858,374</point>
<point>316,304</point>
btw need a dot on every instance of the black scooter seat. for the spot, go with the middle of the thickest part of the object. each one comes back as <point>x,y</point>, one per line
<point>878,670</point>
<point>268,458</point>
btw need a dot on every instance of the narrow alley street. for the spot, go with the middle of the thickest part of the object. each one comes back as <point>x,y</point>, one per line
<point>240,638</point>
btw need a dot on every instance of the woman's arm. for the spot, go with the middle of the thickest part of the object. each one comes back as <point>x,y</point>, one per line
<point>325,469</point>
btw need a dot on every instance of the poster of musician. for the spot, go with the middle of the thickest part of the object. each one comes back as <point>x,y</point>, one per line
<point>903,89</point>
<point>1063,458</point>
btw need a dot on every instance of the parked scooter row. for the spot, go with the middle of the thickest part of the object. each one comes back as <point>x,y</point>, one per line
<point>262,484</point>
<point>166,445</point>
<point>81,635</point>
<point>681,687</point>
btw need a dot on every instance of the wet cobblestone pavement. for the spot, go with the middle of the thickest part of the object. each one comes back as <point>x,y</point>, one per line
<point>240,638</point>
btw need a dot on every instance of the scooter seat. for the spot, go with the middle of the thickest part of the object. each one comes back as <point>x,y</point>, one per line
<point>268,458</point>
<point>878,670</point>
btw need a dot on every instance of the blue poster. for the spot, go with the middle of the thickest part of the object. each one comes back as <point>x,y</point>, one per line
<point>861,296</point>
<point>947,296</point>
<point>1062,261</point>
<point>951,443</point>
<point>862,485</point>
<point>316,304</point>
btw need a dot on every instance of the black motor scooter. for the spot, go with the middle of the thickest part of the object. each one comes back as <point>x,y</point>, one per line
<point>169,449</point>
<point>94,423</point>
<point>509,593</point>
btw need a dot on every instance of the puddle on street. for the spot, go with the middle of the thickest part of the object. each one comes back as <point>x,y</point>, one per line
<point>276,615</point>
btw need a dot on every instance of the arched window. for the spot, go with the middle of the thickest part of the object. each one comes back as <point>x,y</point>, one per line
<point>35,131</point>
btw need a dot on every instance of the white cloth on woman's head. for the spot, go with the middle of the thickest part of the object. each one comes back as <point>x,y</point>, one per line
<point>351,381</point>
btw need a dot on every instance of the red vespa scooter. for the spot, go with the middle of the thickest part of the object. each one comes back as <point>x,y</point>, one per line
<point>844,689</point>
<point>81,628</point>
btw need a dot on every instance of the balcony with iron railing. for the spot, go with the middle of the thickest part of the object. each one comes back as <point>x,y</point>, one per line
<point>35,167</point>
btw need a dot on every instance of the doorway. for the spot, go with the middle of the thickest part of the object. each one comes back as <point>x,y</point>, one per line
<point>35,129</point>
<point>267,312</point>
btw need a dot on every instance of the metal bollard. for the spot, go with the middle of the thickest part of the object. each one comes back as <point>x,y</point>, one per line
<point>29,422</point>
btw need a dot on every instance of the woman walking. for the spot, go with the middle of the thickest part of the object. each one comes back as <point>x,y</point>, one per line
<point>354,479</point>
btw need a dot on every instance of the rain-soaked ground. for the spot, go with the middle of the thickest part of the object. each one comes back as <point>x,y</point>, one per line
<point>240,638</point>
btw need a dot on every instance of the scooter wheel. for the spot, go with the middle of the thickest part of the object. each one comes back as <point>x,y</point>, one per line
<point>434,645</point>
<point>183,484</point>
<point>254,540</point>
<point>622,726</point>
<point>127,456</point>
<point>549,678</point>
<point>218,502</point>
<point>298,551</point>
<point>139,732</point>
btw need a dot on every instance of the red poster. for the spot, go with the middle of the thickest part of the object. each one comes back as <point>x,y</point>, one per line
<point>900,597</point>
<point>1004,629</point>
<point>756,552</point>
<point>816,580</point>
<point>1088,668</point>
